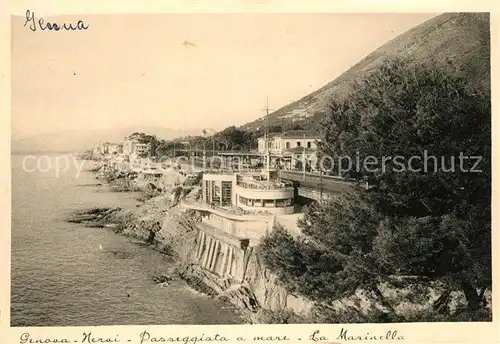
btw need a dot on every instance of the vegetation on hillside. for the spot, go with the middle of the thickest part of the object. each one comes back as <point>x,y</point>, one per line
<point>229,139</point>
<point>428,223</point>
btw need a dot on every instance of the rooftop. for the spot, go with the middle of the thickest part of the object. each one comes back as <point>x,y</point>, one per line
<point>296,134</point>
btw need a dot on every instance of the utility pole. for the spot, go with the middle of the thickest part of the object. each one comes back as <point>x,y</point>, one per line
<point>266,138</point>
<point>213,148</point>
<point>268,151</point>
<point>304,158</point>
<point>204,163</point>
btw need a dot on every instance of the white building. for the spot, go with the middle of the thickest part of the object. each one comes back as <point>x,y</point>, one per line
<point>132,146</point>
<point>114,148</point>
<point>284,142</point>
<point>128,145</point>
<point>105,148</point>
<point>141,148</point>
<point>292,147</point>
<point>248,192</point>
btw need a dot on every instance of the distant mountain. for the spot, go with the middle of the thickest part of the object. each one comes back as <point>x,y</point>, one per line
<point>77,141</point>
<point>462,39</point>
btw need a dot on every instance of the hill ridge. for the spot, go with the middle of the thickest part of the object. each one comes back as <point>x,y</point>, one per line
<point>440,35</point>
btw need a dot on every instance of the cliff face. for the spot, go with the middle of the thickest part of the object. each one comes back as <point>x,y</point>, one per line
<point>270,294</point>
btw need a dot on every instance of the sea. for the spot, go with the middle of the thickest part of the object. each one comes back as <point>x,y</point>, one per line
<point>61,277</point>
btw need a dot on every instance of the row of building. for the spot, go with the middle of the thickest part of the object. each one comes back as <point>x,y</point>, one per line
<point>130,148</point>
<point>284,150</point>
<point>232,184</point>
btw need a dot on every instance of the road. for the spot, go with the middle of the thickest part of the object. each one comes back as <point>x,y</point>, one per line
<point>314,181</point>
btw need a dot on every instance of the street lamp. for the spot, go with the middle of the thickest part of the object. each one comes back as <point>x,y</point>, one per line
<point>321,184</point>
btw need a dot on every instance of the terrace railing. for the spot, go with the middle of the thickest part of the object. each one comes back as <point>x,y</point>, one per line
<point>265,185</point>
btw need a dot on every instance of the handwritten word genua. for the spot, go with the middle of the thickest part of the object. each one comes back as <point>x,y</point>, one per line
<point>33,24</point>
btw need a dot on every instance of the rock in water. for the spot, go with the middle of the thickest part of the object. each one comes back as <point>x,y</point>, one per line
<point>162,279</point>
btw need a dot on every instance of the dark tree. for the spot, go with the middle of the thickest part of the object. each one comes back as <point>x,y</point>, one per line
<point>276,129</point>
<point>427,220</point>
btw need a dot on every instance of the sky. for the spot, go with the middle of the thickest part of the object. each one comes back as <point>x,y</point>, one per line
<point>127,70</point>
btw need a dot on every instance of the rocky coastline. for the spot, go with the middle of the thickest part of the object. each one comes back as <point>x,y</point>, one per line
<point>160,223</point>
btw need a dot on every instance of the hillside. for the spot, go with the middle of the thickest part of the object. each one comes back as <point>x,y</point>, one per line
<point>460,38</point>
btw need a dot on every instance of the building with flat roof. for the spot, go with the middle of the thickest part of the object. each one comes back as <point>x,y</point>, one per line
<point>292,149</point>
<point>251,192</point>
<point>133,148</point>
<point>280,143</point>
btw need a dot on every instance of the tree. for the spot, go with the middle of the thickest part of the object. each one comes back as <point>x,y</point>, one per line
<point>291,126</point>
<point>299,166</point>
<point>275,129</point>
<point>427,222</point>
<point>164,148</point>
<point>232,138</point>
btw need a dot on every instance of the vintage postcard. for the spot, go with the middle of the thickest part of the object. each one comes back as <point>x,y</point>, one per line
<point>177,176</point>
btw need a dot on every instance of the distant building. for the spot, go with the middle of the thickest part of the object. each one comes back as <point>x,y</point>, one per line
<point>141,148</point>
<point>132,146</point>
<point>114,148</point>
<point>101,148</point>
<point>96,150</point>
<point>128,144</point>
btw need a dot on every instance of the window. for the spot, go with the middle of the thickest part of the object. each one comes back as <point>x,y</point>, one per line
<point>309,144</point>
<point>207,190</point>
<point>269,203</point>
<point>298,143</point>
<point>215,192</point>
<point>243,200</point>
<point>287,145</point>
<point>287,202</point>
<point>227,193</point>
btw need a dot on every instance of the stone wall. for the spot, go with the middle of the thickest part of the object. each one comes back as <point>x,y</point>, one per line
<point>240,229</point>
<point>229,267</point>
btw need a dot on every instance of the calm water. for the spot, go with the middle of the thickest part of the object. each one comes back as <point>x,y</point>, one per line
<point>59,275</point>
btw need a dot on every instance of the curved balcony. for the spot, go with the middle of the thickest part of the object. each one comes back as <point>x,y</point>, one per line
<point>264,185</point>
<point>233,213</point>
